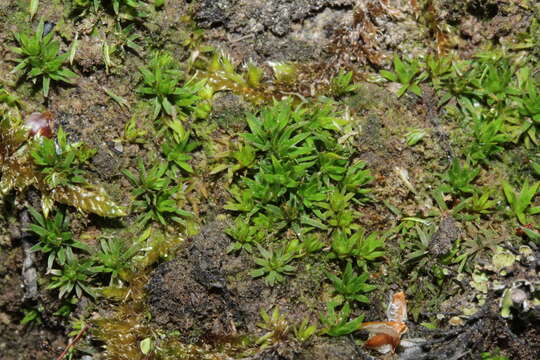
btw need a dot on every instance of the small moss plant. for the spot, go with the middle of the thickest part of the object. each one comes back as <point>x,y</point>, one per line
<point>161,83</point>
<point>178,153</point>
<point>76,274</point>
<point>408,73</point>
<point>8,98</point>
<point>114,258</point>
<point>521,202</point>
<point>61,166</point>
<point>351,286</point>
<point>357,246</point>
<point>123,9</point>
<point>342,84</point>
<point>481,201</point>
<point>275,264</point>
<point>339,323</point>
<point>154,195</point>
<point>54,237</point>
<point>303,331</point>
<point>459,178</point>
<point>28,157</point>
<point>276,325</point>
<point>39,58</point>
<point>254,75</point>
<point>245,236</point>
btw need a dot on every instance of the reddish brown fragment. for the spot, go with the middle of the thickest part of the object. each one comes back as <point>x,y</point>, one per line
<point>40,124</point>
<point>380,340</point>
<point>385,336</point>
<point>397,309</point>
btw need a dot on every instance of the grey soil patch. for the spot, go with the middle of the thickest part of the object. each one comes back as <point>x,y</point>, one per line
<point>274,30</point>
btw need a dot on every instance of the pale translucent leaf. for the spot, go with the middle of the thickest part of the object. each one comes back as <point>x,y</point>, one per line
<point>88,198</point>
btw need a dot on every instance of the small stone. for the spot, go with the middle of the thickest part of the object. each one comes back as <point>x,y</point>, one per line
<point>525,250</point>
<point>470,311</point>
<point>498,285</point>
<point>4,318</point>
<point>518,296</point>
<point>118,147</point>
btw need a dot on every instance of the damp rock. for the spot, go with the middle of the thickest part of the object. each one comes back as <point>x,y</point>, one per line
<point>279,30</point>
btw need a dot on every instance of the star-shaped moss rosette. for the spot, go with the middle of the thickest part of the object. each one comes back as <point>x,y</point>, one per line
<point>30,156</point>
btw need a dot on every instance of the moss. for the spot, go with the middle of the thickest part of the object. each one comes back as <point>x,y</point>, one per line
<point>375,128</point>
<point>122,332</point>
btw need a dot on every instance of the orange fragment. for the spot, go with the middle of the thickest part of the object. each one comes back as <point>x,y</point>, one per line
<point>382,340</point>
<point>385,335</point>
<point>397,309</point>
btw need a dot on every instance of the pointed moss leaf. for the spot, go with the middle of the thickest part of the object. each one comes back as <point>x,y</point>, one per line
<point>389,75</point>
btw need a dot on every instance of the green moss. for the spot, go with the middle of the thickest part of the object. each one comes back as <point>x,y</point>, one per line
<point>371,124</point>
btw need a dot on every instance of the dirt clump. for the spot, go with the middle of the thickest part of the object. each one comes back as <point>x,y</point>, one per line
<point>190,293</point>
<point>442,241</point>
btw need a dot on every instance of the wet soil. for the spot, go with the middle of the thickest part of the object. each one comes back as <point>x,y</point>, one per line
<point>20,341</point>
<point>209,297</point>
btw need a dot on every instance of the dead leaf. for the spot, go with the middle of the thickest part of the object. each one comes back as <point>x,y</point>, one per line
<point>397,309</point>
<point>385,335</point>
